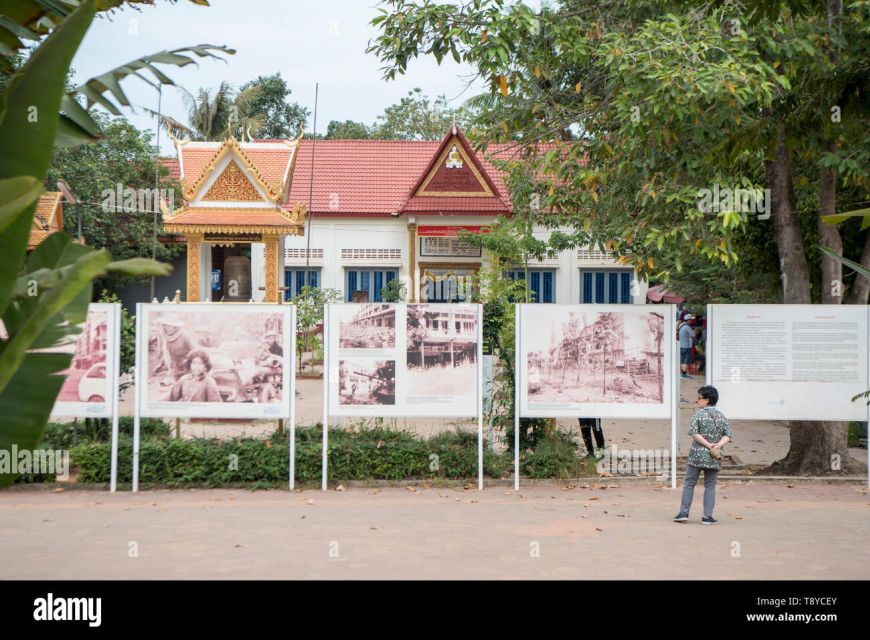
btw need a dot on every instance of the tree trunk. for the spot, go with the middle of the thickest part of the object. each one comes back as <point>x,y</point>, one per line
<point>831,288</point>
<point>792,260</point>
<point>860,291</point>
<point>816,447</point>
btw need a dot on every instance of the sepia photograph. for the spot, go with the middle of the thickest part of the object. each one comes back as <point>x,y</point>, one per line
<point>214,355</point>
<point>368,326</point>
<point>87,379</point>
<point>441,351</point>
<point>578,357</point>
<point>367,382</point>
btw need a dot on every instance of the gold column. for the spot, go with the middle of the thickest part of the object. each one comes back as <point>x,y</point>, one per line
<point>412,262</point>
<point>271,264</point>
<point>194,259</point>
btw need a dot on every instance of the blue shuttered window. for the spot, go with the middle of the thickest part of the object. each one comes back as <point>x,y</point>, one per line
<point>612,286</point>
<point>294,279</point>
<point>540,283</point>
<point>351,285</point>
<point>379,284</point>
<point>548,286</point>
<point>599,287</point>
<point>587,287</point>
<point>625,289</point>
<point>371,280</point>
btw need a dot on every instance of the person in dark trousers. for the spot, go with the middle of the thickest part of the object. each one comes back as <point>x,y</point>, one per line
<point>687,340</point>
<point>588,428</point>
<point>710,431</point>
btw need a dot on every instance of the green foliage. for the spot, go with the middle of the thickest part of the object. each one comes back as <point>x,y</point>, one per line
<point>258,109</point>
<point>368,454</point>
<point>65,435</point>
<point>123,157</point>
<point>416,117</point>
<point>497,293</point>
<point>363,453</point>
<point>310,302</point>
<point>554,456</point>
<point>44,298</point>
<point>281,118</point>
<point>128,337</point>
<point>347,130</point>
<point>658,101</point>
<point>395,291</point>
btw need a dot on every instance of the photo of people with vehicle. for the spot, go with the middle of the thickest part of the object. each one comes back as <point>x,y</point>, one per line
<point>214,355</point>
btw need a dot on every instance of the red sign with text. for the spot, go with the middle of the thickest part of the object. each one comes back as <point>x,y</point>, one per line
<point>448,231</point>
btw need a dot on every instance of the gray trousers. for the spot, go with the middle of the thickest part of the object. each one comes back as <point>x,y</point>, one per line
<point>692,475</point>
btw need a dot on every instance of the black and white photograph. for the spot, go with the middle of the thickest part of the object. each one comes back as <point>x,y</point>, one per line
<point>214,355</point>
<point>580,357</point>
<point>368,326</point>
<point>441,351</point>
<point>367,382</point>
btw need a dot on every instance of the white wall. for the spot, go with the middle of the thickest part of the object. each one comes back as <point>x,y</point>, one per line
<point>334,234</point>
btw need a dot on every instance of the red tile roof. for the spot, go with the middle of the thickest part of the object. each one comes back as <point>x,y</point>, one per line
<point>366,177</point>
<point>173,166</point>
<point>270,162</point>
<point>378,177</point>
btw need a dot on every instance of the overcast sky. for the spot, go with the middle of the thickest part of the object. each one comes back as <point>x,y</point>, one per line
<point>322,41</point>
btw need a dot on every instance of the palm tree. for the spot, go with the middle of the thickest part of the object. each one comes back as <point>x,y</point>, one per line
<point>214,114</point>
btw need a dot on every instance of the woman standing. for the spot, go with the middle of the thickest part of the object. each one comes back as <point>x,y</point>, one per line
<point>710,431</point>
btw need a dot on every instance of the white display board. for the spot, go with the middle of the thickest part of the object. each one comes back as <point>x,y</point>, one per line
<point>789,362</point>
<point>91,382</point>
<point>214,360</point>
<point>407,360</point>
<point>603,361</point>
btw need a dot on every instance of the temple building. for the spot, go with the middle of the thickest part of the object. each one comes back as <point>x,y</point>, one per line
<point>380,210</point>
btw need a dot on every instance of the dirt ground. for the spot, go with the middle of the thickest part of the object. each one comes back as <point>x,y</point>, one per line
<point>613,529</point>
<point>766,531</point>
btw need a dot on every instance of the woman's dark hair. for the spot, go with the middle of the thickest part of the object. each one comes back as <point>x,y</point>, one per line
<point>710,394</point>
<point>202,356</point>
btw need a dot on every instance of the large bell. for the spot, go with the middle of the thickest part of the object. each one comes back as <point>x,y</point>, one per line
<point>237,279</point>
